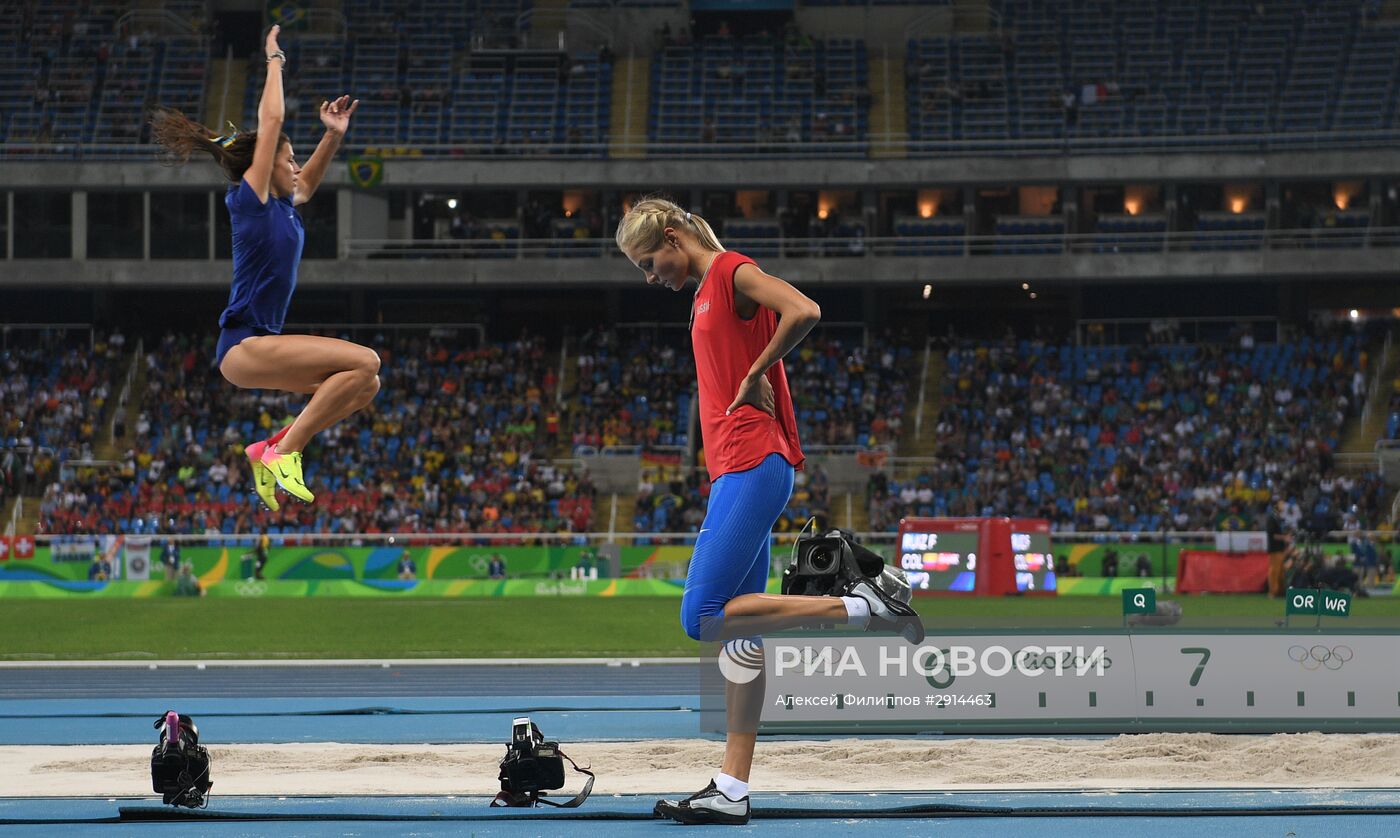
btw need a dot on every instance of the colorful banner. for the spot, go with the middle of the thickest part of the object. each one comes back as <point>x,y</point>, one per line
<point>73,552</point>
<point>430,588</point>
<point>366,172</point>
<point>70,561</point>
<point>1206,571</point>
<point>281,588</point>
<point>287,14</point>
<point>138,557</point>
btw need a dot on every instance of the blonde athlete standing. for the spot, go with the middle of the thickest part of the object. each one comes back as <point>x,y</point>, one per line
<point>743,321</point>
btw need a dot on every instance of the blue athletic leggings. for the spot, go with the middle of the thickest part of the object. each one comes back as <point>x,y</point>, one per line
<point>731,552</point>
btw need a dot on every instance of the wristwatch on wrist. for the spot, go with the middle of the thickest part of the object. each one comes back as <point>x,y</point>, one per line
<point>278,54</point>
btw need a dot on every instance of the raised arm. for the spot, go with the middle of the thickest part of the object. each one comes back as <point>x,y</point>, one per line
<point>271,114</point>
<point>336,117</point>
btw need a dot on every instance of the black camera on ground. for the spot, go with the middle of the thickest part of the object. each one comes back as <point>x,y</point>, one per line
<point>179,764</point>
<point>829,563</point>
<point>532,766</point>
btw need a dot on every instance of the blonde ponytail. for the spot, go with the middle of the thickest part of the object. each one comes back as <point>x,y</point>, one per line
<point>643,228</point>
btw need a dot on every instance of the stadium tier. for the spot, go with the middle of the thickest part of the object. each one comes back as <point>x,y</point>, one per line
<point>441,75</point>
<point>1139,68</point>
<point>460,442</point>
<point>1144,438</point>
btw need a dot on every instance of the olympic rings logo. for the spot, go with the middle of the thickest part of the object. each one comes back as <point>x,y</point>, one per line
<point>250,587</point>
<point>1320,657</point>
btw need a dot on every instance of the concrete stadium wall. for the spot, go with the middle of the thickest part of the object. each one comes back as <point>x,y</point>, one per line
<point>751,172</point>
<point>610,270</point>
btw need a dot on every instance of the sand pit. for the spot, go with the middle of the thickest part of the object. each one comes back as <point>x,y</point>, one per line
<point>1156,760</point>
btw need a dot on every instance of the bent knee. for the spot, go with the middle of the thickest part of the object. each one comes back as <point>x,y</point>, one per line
<point>368,362</point>
<point>691,624</point>
<point>695,627</point>
<point>701,623</point>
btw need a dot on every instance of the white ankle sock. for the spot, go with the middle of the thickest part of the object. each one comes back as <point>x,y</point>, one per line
<point>730,787</point>
<point>857,611</point>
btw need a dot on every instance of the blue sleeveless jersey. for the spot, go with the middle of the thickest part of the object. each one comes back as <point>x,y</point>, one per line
<point>267,243</point>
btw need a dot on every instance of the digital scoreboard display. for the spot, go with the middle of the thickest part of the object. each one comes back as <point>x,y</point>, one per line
<point>978,556</point>
<point>940,561</point>
<point>1034,563</point>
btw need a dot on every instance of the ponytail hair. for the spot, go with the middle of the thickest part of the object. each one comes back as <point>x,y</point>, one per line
<point>643,228</point>
<point>182,136</point>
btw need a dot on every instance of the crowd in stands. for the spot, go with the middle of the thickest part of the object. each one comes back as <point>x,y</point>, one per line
<point>849,393</point>
<point>845,393</point>
<point>1144,437</point>
<point>1158,434</point>
<point>54,392</point>
<point>672,503</point>
<point>456,441</point>
<point>633,388</point>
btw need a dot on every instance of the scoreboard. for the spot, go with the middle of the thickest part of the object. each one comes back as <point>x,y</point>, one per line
<point>940,554</point>
<point>984,556</point>
<point>1032,559</point>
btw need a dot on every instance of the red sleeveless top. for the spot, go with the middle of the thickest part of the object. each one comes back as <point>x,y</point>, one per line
<point>725,348</point>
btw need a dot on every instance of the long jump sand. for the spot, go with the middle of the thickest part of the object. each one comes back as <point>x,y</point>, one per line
<point>664,766</point>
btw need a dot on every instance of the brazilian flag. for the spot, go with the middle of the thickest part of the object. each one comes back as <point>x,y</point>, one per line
<point>365,171</point>
<point>288,14</point>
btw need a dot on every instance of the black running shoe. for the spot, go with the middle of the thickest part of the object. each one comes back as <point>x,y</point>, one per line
<point>888,613</point>
<point>709,805</point>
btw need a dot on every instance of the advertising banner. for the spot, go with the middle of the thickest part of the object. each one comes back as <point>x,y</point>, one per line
<point>138,557</point>
<point>1044,682</point>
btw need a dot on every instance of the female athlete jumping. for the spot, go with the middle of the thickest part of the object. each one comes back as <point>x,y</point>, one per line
<point>266,187</point>
<point>743,321</point>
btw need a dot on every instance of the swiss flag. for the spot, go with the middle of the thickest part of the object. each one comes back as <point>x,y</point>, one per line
<point>4,547</point>
<point>24,547</point>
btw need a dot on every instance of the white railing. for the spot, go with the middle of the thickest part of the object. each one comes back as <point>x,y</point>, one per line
<point>1190,329</point>
<point>956,246</point>
<point>874,145</point>
<point>1378,371</point>
<point>15,514</point>
<point>1354,462</point>
<point>403,539</point>
<point>357,329</point>
<point>563,368</point>
<point>125,395</point>
<point>612,520</point>
<point>923,390</point>
<point>26,329</point>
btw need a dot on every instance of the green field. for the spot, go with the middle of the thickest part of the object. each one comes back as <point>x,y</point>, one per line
<point>211,629</point>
